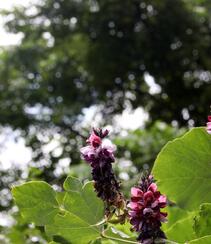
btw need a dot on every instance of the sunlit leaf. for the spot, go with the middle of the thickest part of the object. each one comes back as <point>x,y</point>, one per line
<point>183,169</point>
<point>73,229</point>
<point>36,201</point>
<point>182,230</point>
<point>83,202</point>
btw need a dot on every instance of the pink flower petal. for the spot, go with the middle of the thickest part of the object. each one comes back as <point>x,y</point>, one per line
<point>108,145</point>
<point>154,204</point>
<point>134,206</point>
<point>153,187</point>
<point>147,210</point>
<point>87,150</point>
<point>148,196</point>
<point>136,192</point>
<point>162,201</point>
<point>132,213</point>
<point>94,140</point>
<point>208,127</point>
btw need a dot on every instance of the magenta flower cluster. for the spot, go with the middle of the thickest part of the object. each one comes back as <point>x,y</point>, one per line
<point>99,153</point>
<point>145,210</point>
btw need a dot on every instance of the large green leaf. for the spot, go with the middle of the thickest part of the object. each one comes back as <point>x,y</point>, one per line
<point>202,224</point>
<point>83,202</point>
<point>82,213</point>
<point>74,216</point>
<point>78,223</point>
<point>174,214</point>
<point>36,201</point>
<point>72,184</point>
<point>73,229</point>
<point>183,169</point>
<point>182,230</point>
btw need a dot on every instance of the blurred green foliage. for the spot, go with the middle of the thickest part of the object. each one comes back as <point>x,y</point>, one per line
<point>75,54</point>
<point>141,146</point>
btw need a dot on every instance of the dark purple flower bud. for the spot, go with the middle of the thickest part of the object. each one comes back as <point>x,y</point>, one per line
<point>105,133</point>
<point>99,132</point>
<point>145,214</point>
<point>100,155</point>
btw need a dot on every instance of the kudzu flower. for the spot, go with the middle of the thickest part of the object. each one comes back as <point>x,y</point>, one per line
<point>99,153</point>
<point>94,140</point>
<point>209,125</point>
<point>145,211</point>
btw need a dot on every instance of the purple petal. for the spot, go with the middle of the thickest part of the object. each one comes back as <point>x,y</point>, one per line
<point>136,192</point>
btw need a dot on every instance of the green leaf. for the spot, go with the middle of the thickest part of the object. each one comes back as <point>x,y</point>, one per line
<point>72,184</point>
<point>202,224</point>
<point>183,169</point>
<point>203,240</point>
<point>36,201</point>
<point>73,229</point>
<point>80,220</point>
<point>83,212</point>
<point>174,214</point>
<point>182,230</point>
<point>84,203</point>
<point>60,197</point>
<point>104,241</point>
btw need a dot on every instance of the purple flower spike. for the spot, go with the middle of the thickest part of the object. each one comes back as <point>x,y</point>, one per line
<point>145,215</point>
<point>99,153</point>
